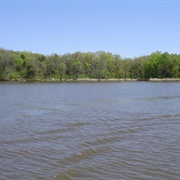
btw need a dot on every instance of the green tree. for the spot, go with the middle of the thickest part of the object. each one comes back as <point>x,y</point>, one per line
<point>127,68</point>
<point>152,65</point>
<point>76,68</point>
<point>138,66</point>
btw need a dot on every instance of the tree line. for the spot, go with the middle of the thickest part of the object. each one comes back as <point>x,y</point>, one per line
<point>16,65</point>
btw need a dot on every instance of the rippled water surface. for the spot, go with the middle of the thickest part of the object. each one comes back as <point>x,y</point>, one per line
<point>122,130</point>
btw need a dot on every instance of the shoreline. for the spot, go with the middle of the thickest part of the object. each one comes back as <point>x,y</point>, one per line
<point>95,80</point>
<point>164,79</point>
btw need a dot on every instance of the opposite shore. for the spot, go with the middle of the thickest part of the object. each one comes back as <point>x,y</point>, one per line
<point>97,80</point>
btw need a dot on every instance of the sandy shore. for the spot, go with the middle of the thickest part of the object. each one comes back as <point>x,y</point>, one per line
<point>98,80</point>
<point>90,80</point>
<point>164,79</point>
<point>114,80</point>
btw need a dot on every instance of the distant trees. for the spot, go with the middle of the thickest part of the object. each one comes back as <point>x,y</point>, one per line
<point>101,65</point>
<point>163,65</point>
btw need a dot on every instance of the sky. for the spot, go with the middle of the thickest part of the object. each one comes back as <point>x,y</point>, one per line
<point>130,28</point>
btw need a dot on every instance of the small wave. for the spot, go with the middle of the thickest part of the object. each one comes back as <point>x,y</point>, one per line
<point>165,97</point>
<point>78,157</point>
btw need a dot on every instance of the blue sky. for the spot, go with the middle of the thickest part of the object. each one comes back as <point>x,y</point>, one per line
<point>128,28</point>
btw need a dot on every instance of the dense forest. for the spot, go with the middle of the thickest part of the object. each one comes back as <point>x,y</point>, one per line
<point>16,65</point>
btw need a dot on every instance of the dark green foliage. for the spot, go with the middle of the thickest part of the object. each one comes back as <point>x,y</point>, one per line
<point>100,65</point>
<point>162,65</point>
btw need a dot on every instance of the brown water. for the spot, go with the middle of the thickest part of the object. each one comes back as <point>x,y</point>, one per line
<point>126,130</point>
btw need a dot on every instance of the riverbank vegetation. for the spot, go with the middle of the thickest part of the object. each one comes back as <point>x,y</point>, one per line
<point>16,65</point>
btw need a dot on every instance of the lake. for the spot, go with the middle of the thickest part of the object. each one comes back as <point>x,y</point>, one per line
<point>100,130</point>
